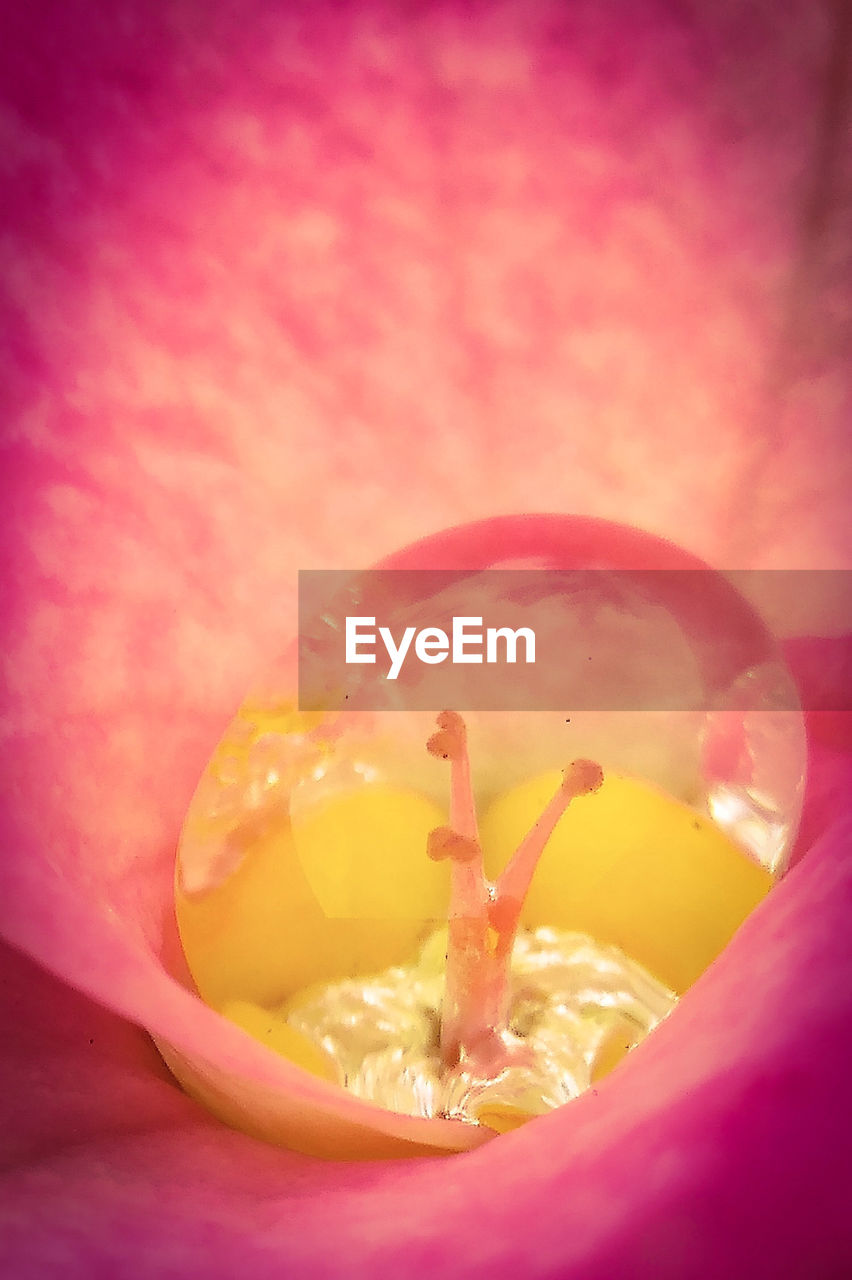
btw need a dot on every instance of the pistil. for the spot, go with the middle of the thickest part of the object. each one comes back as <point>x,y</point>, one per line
<point>484,916</point>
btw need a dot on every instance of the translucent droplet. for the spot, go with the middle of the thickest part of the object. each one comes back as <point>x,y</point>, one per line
<point>302,859</point>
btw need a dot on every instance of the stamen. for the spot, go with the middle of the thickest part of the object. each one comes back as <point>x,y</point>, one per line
<point>512,887</point>
<point>466,1009</point>
<point>450,743</point>
<point>483,918</point>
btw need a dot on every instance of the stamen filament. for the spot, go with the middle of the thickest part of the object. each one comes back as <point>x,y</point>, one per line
<point>450,742</point>
<point>512,885</point>
<point>466,1006</point>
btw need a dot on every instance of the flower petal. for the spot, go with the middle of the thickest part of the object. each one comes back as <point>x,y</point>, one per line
<point>281,291</point>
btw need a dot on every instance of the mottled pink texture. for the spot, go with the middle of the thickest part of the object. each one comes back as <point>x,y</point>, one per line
<point>287,289</point>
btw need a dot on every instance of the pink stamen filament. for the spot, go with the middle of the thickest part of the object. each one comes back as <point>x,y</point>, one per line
<point>484,917</point>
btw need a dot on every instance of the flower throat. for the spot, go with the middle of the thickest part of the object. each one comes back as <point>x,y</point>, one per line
<point>490,1023</point>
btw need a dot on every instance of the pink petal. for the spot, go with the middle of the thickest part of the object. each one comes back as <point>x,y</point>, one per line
<point>284,293</point>
<point>724,1139</point>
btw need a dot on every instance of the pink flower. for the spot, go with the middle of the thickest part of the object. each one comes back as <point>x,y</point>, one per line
<point>287,291</point>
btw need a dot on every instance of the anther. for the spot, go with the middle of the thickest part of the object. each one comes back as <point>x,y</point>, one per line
<point>444,842</point>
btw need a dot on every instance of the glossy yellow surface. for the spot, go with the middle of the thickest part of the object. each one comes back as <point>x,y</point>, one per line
<point>503,1119</point>
<point>347,889</point>
<point>263,933</point>
<point>364,855</point>
<point>631,867</point>
<point>279,1036</point>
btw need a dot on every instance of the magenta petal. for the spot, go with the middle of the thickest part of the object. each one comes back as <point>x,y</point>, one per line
<point>268,277</point>
<point>822,667</point>
<point>722,1145</point>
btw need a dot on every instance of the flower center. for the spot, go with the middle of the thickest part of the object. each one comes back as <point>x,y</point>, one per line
<point>484,915</point>
<point>488,1024</point>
